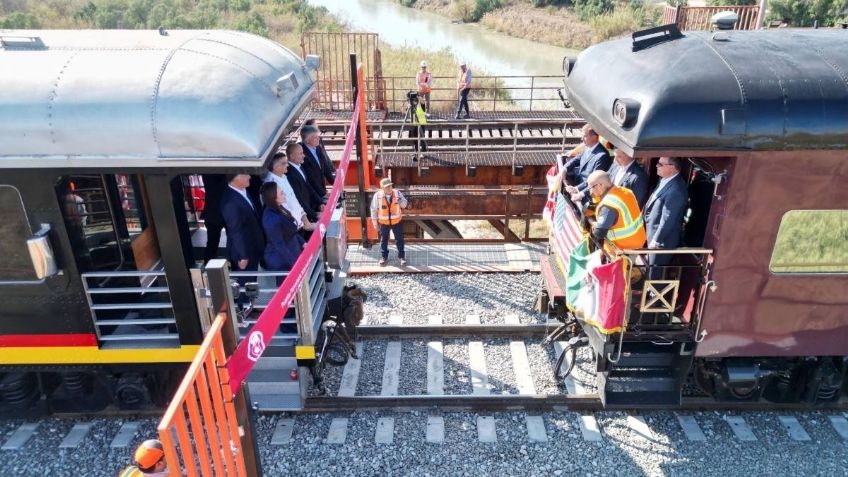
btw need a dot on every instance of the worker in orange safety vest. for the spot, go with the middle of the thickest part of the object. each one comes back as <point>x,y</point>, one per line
<point>618,218</point>
<point>149,460</point>
<point>386,215</point>
<point>424,81</point>
<point>463,87</point>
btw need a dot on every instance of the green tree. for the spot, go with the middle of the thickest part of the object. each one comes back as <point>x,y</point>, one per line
<point>804,13</point>
<point>250,22</point>
<point>587,9</point>
<point>20,20</point>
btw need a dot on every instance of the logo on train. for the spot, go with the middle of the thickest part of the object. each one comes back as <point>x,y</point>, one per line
<point>256,345</point>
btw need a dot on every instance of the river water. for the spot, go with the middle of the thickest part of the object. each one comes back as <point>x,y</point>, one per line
<point>484,49</point>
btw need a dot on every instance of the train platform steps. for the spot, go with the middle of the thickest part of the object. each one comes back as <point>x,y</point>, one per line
<point>449,257</point>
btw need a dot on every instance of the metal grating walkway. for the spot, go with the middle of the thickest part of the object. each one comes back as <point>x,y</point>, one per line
<point>453,257</point>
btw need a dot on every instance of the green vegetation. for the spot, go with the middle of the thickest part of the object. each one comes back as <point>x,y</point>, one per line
<point>471,11</point>
<point>803,13</point>
<point>811,241</point>
<point>569,23</point>
<point>282,20</point>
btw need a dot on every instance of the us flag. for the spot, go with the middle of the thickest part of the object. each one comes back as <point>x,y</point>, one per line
<point>566,232</point>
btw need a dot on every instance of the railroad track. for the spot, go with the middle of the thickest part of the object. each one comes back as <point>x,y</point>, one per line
<point>527,391</point>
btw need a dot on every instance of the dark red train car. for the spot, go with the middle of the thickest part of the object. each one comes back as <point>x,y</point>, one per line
<point>760,288</point>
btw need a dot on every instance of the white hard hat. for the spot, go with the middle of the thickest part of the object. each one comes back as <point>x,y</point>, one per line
<point>463,63</point>
<point>423,64</point>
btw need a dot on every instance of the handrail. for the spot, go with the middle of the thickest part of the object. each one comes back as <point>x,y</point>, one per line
<point>391,91</point>
<point>204,392</point>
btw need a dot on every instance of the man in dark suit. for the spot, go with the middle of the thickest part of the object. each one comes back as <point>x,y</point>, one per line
<point>245,238</point>
<point>593,157</point>
<point>625,172</point>
<point>316,162</point>
<point>307,196</point>
<point>664,212</point>
<point>214,185</point>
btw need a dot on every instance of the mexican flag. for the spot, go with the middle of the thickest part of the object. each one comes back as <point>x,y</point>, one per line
<point>596,292</point>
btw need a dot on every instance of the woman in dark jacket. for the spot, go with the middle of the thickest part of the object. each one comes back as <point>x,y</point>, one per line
<point>283,243</point>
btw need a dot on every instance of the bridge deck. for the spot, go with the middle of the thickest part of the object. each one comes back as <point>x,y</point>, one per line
<point>449,257</point>
<point>378,116</point>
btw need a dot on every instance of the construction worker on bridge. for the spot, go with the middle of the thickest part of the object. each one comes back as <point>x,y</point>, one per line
<point>424,81</point>
<point>386,213</point>
<point>149,460</point>
<point>463,87</point>
<point>618,218</point>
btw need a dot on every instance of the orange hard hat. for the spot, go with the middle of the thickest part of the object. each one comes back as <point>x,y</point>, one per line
<point>149,453</point>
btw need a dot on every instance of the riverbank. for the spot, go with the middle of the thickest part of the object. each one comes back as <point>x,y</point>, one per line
<point>553,25</point>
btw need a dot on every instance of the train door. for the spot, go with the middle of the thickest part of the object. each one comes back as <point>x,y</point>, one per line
<point>115,224</point>
<point>679,287</point>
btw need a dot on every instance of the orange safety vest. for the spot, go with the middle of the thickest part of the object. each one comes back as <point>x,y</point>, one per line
<point>422,82</point>
<point>463,80</point>
<point>389,214</point>
<point>628,232</point>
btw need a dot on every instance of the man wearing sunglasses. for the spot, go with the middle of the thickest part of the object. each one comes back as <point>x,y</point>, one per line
<point>664,212</point>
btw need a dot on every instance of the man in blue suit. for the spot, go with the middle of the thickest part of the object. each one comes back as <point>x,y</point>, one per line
<point>593,157</point>
<point>625,172</point>
<point>316,162</point>
<point>245,238</point>
<point>664,212</point>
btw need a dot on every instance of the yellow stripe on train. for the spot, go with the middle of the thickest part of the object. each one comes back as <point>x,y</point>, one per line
<point>94,355</point>
<point>304,352</point>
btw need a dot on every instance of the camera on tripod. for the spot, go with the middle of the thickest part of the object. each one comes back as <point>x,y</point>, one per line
<point>412,97</point>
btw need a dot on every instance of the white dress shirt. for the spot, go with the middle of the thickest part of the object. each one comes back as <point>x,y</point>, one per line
<point>292,204</point>
<point>619,176</point>
<point>243,193</point>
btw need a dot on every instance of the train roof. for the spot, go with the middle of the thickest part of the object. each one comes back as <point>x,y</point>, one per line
<point>145,99</point>
<point>732,90</point>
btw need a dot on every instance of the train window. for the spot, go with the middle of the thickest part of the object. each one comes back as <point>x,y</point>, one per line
<point>811,241</point>
<point>107,222</point>
<point>15,229</point>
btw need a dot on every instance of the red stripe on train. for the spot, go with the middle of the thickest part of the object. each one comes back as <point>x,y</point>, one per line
<point>48,340</point>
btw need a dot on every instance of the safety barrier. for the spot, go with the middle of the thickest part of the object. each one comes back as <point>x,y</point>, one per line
<point>199,427</point>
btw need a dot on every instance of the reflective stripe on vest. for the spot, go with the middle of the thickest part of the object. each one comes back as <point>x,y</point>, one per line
<point>423,87</point>
<point>389,215</point>
<point>628,232</point>
<point>131,471</point>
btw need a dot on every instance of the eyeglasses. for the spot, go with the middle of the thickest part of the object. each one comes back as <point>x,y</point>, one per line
<point>594,185</point>
<point>661,164</point>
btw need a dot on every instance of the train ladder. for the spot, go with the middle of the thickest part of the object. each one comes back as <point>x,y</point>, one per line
<point>199,427</point>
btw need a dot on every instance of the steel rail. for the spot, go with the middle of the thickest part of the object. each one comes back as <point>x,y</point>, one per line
<point>539,402</point>
<point>534,330</point>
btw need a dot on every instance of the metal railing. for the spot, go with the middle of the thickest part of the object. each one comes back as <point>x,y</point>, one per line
<point>489,93</point>
<point>698,18</point>
<point>200,430</point>
<point>309,304</point>
<point>131,306</point>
